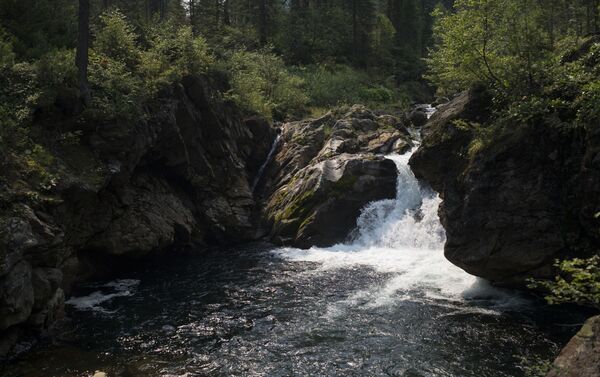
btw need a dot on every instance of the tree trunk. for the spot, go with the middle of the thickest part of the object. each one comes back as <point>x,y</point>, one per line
<point>82,55</point>
<point>262,23</point>
<point>226,17</point>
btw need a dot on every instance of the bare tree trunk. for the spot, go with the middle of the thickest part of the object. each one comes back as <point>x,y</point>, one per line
<point>82,55</point>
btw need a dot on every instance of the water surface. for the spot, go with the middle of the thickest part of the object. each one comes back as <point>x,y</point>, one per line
<point>386,303</point>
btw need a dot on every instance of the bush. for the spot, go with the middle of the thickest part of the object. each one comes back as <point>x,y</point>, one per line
<point>578,282</point>
<point>173,53</point>
<point>116,39</point>
<point>117,93</point>
<point>260,82</point>
<point>18,94</point>
<point>55,72</point>
<point>333,85</point>
<point>7,55</point>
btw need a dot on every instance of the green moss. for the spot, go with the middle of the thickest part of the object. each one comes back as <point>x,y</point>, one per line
<point>298,207</point>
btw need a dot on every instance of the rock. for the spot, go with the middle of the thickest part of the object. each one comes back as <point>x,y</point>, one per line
<point>326,171</point>
<point>440,101</point>
<point>16,296</point>
<point>581,356</point>
<point>321,206</point>
<point>418,117</point>
<point>509,209</point>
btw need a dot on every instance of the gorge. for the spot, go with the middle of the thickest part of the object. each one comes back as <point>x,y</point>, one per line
<point>300,188</point>
<point>261,309</point>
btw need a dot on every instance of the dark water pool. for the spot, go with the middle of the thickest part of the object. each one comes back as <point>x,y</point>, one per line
<point>252,312</point>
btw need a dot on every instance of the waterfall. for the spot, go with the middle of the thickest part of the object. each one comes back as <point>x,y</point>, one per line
<point>261,171</point>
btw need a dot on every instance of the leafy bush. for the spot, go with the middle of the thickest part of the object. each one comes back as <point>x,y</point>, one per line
<point>18,94</point>
<point>334,85</point>
<point>116,92</point>
<point>578,282</point>
<point>116,39</point>
<point>55,72</point>
<point>260,82</point>
<point>587,103</point>
<point>173,53</point>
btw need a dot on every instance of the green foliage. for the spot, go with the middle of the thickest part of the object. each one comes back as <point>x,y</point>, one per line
<point>116,39</point>
<point>578,282</point>
<point>334,85</point>
<point>587,103</point>
<point>7,55</point>
<point>117,92</point>
<point>261,83</point>
<point>18,94</point>
<point>499,42</point>
<point>382,40</point>
<point>174,52</point>
<point>55,73</point>
<point>39,26</point>
<point>536,367</point>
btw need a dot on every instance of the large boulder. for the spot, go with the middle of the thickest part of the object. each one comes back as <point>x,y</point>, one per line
<point>326,170</point>
<point>581,356</point>
<point>514,205</point>
<point>320,205</point>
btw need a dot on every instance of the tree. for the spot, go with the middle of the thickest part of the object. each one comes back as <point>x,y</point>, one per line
<point>82,55</point>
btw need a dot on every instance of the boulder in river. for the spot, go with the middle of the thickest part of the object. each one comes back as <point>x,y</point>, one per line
<point>326,170</point>
<point>512,207</point>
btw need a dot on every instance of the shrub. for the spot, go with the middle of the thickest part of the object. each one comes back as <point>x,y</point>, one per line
<point>18,94</point>
<point>55,71</point>
<point>260,82</point>
<point>7,56</point>
<point>173,53</point>
<point>578,282</point>
<point>116,39</point>
<point>329,85</point>
<point>116,93</point>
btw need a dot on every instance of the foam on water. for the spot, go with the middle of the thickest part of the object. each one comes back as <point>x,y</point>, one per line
<point>404,238</point>
<point>108,291</point>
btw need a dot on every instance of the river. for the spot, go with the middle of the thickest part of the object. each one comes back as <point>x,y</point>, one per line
<point>385,303</point>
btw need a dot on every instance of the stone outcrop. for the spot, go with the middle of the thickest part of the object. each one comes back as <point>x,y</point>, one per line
<point>124,191</point>
<point>581,356</point>
<point>512,206</point>
<point>326,170</point>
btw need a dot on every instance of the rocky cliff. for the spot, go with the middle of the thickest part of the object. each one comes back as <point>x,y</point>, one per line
<point>511,207</point>
<point>122,191</point>
<point>326,170</point>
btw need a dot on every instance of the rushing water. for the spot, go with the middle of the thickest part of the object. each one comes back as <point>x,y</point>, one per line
<point>386,303</point>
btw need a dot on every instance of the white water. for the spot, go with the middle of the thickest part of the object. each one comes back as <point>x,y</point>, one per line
<point>108,291</point>
<point>404,239</point>
<point>261,171</point>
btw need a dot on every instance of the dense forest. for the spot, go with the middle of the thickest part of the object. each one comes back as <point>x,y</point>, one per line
<point>130,128</point>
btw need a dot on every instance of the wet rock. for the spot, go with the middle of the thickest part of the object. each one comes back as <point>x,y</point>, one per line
<point>581,356</point>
